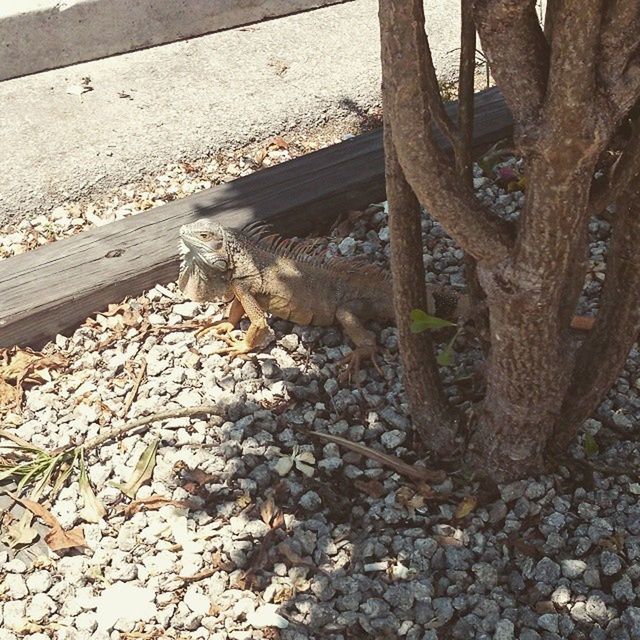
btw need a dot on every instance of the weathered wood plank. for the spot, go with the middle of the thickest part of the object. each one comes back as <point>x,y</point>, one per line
<point>52,289</point>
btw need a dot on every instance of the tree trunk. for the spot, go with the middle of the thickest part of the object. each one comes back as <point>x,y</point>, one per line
<point>532,298</point>
<point>569,89</point>
<point>430,413</point>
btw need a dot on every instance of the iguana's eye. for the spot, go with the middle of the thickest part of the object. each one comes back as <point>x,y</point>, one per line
<point>205,235</point>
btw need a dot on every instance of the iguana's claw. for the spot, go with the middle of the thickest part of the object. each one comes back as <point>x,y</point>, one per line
<point>235,346</point>
<point>351,362</point>
<point>219,329</point>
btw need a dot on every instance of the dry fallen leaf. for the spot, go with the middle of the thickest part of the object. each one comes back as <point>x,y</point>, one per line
<point>466,506</point>
<point>192,480</point>
<point>279,142</point>
<point>24,366</point>
<point>93,510</point>
<point>373,488</point>
<point>57,538</point>
<point>582,323</point>
<point>154,502</point>
<point>409,499</point>
<point>142,472</point>
<point>20,532</point>
<point>271,514</point>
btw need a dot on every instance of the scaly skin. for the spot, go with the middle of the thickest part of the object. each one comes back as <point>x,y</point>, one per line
<point>261,273</point>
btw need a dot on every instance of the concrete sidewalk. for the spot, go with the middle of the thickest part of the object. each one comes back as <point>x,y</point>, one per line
<point>181,101</point>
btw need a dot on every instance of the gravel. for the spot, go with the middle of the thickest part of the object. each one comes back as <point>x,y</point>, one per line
<point>328,544</point>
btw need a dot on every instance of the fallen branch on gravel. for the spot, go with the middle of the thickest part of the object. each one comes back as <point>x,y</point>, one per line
<point>411,471</point>
<point>38,463</point>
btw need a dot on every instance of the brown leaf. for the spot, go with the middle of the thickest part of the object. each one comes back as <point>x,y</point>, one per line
<point>260,156</point>
<point>192,480</point>
<point>24,366</point>
<point>271,514</point>
<point>426,491</point>
<point>154,502</point>
<point>9,395</point>
<point>409,499</point>
<point>373,488</point>
<point>545,606</point>
<point>466,506</point>
<point>279,142</point>
<point>57,538</point>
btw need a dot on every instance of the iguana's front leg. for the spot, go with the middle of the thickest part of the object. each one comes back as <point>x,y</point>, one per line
<point>364,340</point>
<point>224,327</point>
<point>258,328</point>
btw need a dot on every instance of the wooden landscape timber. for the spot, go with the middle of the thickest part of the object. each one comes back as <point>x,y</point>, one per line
<point>52,289</point>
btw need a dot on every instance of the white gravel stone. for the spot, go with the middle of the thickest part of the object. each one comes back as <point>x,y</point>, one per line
<point>14,613</point>
<point>39,581</point>
<point>186,309</point>
<point>15,586</point>
<point>40,607</point>
<point>197,601</point>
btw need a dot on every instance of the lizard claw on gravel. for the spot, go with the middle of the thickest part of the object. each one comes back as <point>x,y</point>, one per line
<point>352,361</point>
<point>236,347</point>
<point>219,329</point>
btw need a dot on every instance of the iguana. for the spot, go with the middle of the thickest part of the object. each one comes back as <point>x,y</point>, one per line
<point>258,271</point>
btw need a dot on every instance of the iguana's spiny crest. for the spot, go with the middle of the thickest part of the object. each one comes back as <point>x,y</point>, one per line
<point>216,249</point>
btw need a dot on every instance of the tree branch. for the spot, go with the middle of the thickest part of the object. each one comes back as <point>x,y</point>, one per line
<point>624,173</point>
<point>429,408</point>
<point>617,324</point>
<point>549,17</point>
<point>518,54</point>
<point>436,105</point>
<point>425,167</point>
<point>466,85</point>
<point>561,169</point>
<point>569,103</point>
<point>619,40</point>
<point>464,164</point>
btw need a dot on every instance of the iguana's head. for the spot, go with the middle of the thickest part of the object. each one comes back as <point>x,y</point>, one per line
<point>206,268</point>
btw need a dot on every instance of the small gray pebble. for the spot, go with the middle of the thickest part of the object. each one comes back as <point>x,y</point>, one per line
<point>631,620</point>
<point>310,501</point>
<point>573,568</point>
<point>547,571</point>
<point>505,630</point>
<point>610,563</point>
<point>393,439</point>
<point>548,622</point>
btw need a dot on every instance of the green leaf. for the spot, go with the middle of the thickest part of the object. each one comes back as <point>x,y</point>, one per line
<point>445,357</point>
<point>590,445</point>
<point>142,472</point>
<point>421,321</point>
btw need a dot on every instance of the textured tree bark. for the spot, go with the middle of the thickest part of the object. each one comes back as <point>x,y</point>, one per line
<point>569,89</point>
<point>464,163</point>
<point>529,367</point>
<point>604,351</point>
<point>430,413</point>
